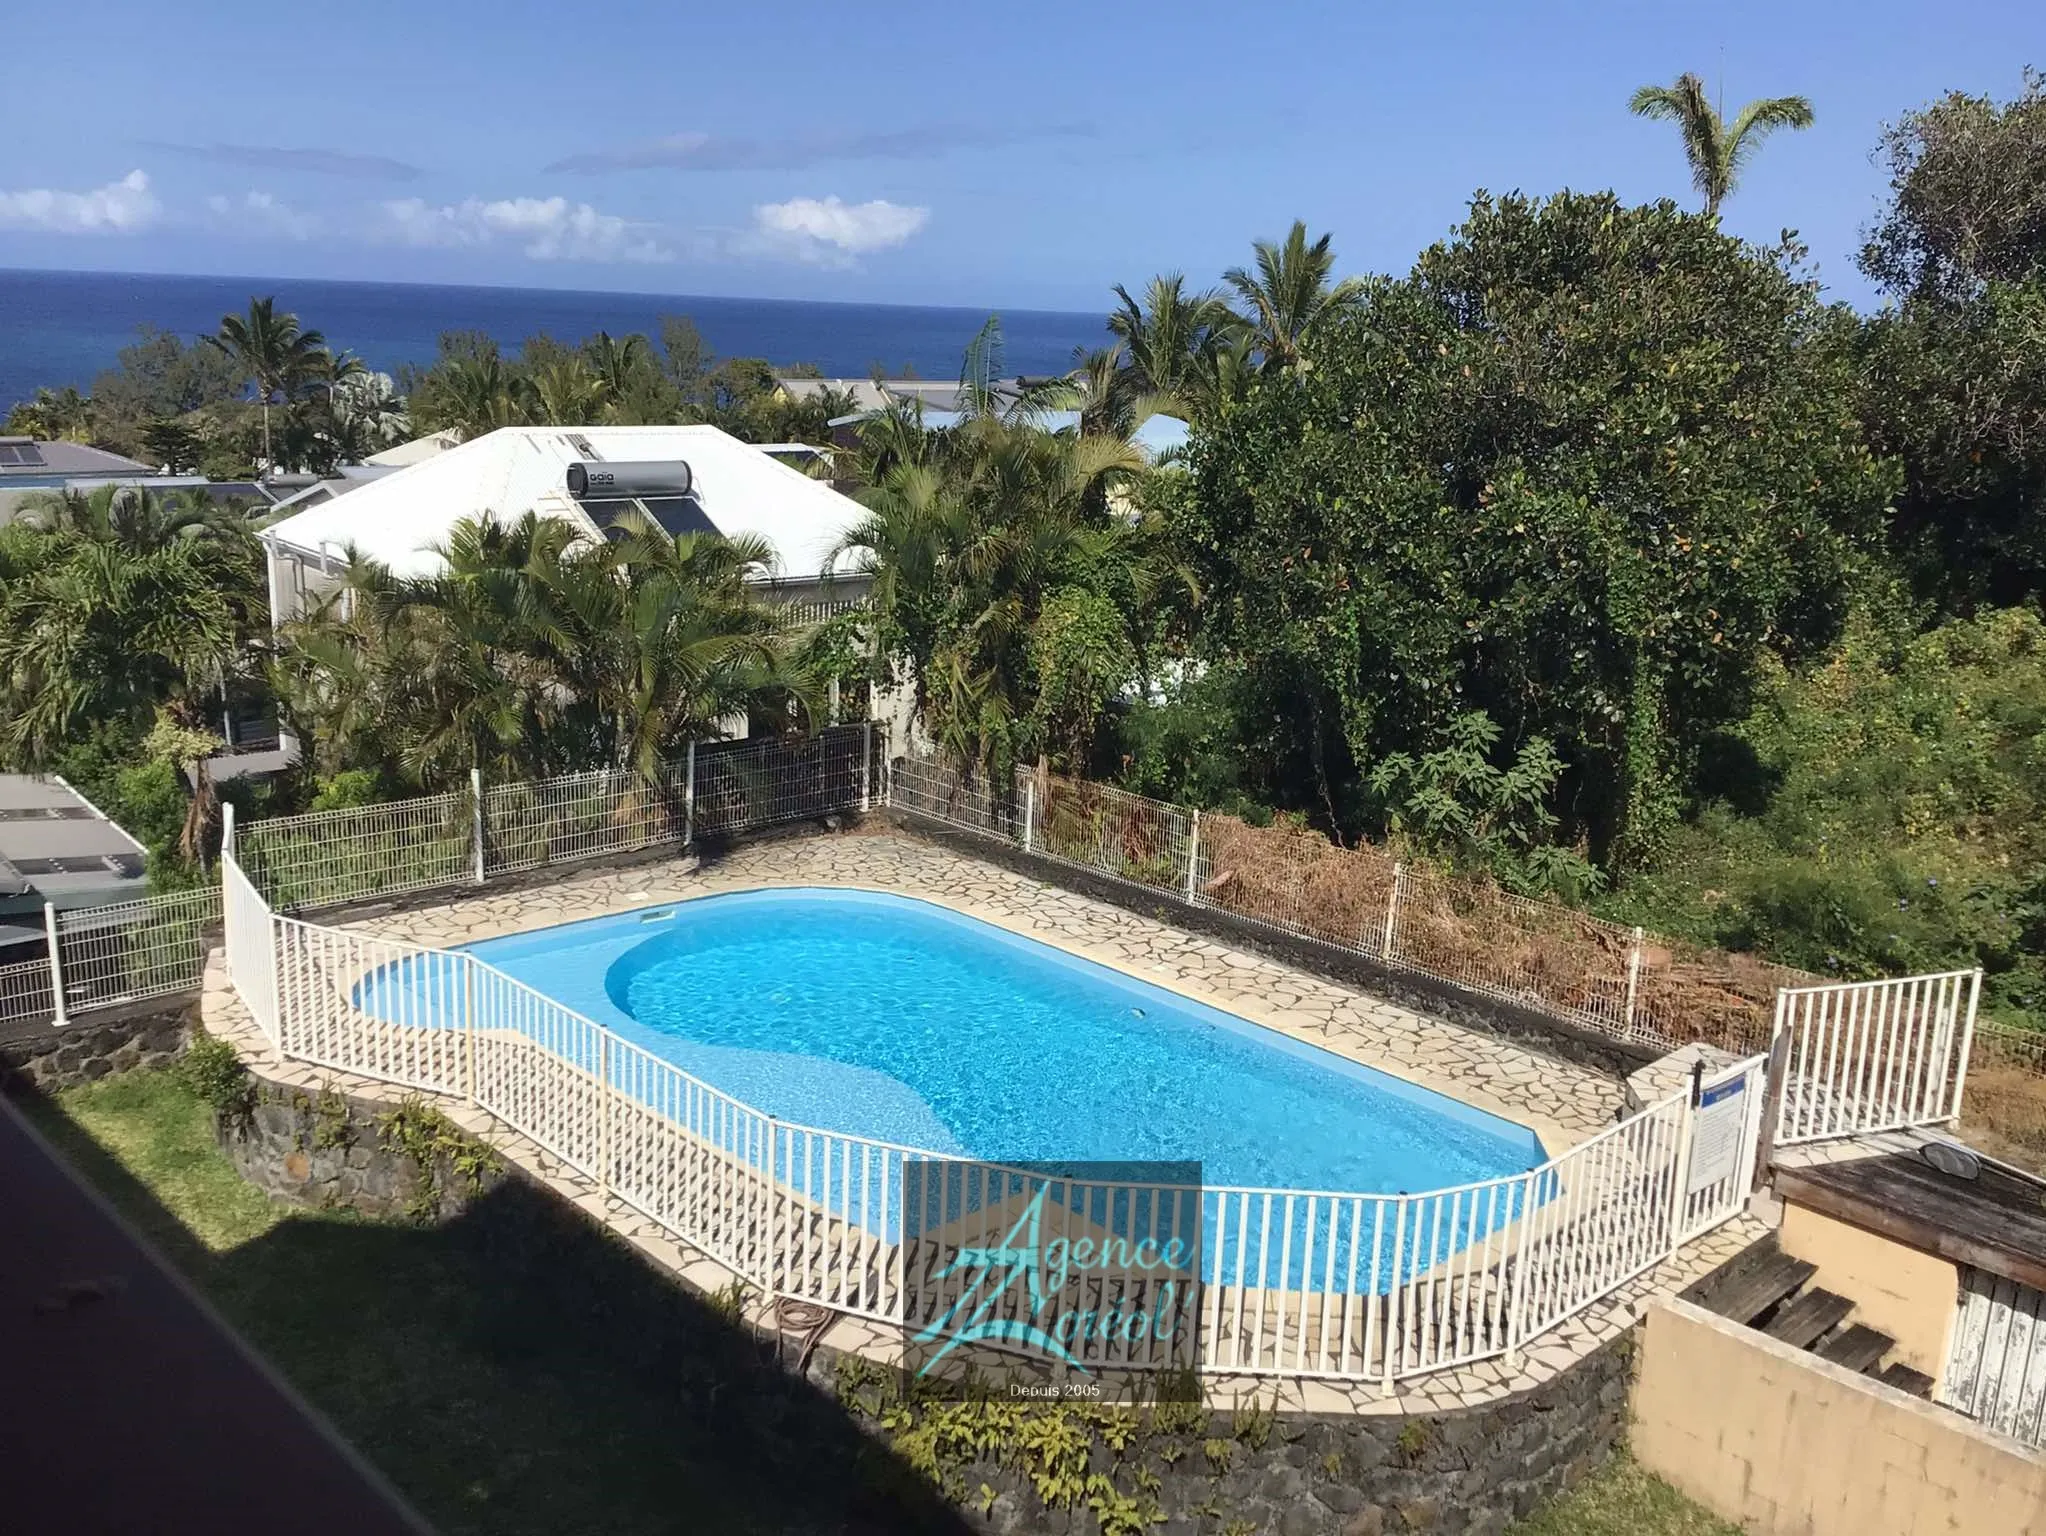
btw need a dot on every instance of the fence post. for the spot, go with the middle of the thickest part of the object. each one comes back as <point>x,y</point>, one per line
<point>1193,857</point>
<point>1773,1090</point>
<point>1679,1194</point>
<point>1392,909</point>
<point>1633,977</point>
<point>866,765</point>
<point>1967,1042</point>
<point>689,796</point>
<point>57,1015</point>
<point>227,829</point>
<point>476,818</point>
<point>604,1111</point>
<point>1029,810</point>
<point>469,1028</point>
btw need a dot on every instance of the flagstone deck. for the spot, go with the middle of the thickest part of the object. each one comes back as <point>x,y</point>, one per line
<point>1563,1102</point>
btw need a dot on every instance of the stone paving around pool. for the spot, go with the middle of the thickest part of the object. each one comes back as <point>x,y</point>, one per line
<point>1562,1102</point>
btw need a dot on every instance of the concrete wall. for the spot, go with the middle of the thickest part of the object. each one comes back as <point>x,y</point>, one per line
<point>1788,1444</point>
<point>1905,1292</point>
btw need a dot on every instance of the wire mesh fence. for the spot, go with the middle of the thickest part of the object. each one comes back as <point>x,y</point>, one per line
<point>135,949</point>
<point>326,858</point>
<point>26,995</point>
<point>1619,981</point>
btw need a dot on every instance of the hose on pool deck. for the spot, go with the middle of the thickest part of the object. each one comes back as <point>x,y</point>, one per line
<point>807,1321</point>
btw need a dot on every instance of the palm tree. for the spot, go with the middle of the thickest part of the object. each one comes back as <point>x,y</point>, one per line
<point>117,605</point>
<point>537,649</point>
<point>1290,295</point>
<point>276,355</point>
<point>1718,151</point>
<point>472,396</point>
<point>1168,340</point>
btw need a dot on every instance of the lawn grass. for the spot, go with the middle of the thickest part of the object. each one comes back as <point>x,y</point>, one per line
<point>513,1371</point>
<point>1622,1498</point>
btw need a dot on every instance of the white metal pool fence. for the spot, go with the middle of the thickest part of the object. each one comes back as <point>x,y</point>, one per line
<point>1861,1057</point>
<point>1296,1282</point>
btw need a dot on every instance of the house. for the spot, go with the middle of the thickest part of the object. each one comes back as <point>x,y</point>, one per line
<point>28,466</point>
<point>688,478</point>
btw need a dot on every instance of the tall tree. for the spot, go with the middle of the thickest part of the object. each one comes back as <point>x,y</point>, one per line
<point>1289,295</point>
<point>1954,370</point>
<point>1169,341</point>
<point>1717,150</point>
<point>278,356</point>
<point>1562,507</point>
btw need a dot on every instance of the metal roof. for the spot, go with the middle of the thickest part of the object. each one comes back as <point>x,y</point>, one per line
<point>55,845</point>
<point>399,517</point>
<point>28,457</point>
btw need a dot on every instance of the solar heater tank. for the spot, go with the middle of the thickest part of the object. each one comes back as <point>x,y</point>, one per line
<point>606,481</point>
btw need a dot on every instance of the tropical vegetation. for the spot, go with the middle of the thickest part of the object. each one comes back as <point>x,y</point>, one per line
<point>1599,553</point>
<point>1717,150</point>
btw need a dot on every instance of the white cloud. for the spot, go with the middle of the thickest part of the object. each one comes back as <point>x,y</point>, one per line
<point>552,228</point>
<point>118,208</point>
<point>833,232</point>
<point>259,213</point>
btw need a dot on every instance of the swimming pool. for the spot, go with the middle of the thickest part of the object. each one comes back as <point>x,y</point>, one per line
<point>883,1016</point>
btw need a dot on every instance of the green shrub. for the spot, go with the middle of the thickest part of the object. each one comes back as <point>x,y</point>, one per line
<point>214,1071</point>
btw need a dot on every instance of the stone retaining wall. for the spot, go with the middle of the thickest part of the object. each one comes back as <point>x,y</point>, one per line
<point>1467,1472</point>
<point>47,1058</point>
<point>328,1150</point>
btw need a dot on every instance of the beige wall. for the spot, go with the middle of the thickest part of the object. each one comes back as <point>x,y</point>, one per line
<point>1788,1444</point>
<point>1905,1292</point>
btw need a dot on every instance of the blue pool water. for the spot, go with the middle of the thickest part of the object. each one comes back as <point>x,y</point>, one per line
<point>892,1018</point>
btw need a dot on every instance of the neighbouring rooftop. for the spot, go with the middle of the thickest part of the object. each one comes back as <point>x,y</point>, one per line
<point>56,847</point>
<point>736,490</point>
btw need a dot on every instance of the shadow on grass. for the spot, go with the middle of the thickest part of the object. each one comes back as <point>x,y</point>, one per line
<point>517,1370</point>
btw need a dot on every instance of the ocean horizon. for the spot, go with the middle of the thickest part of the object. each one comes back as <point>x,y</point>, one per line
<point>64,328</point>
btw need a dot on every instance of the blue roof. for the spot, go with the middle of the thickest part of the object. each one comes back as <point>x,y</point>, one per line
<point>1159,435</point>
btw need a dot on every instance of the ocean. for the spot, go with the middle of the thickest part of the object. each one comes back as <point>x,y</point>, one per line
<point>59,328</point>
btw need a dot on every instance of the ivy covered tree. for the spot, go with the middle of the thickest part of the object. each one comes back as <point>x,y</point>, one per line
<point>1581,470</point>
<point>1955,369</point>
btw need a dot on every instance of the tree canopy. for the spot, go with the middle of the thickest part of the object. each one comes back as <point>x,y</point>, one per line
<point>1581,470</point>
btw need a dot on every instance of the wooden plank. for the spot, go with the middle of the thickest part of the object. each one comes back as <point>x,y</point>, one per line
<point>1747,1295</point>
<point>1808,1317</point>
<point>1904,1379</point>
<point>1996,1223</point>
<point>1857,1348</point>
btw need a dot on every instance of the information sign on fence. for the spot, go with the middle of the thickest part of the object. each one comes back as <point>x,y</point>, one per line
<point>1716,1132</point>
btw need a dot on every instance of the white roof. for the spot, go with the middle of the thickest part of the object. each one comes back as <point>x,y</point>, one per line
<point>399,517</point>
<point>419,448</point>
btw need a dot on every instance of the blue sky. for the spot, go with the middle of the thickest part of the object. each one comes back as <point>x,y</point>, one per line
<point>1005,155</point>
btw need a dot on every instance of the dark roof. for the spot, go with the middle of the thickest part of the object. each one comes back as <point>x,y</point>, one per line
<point>56,846</point>
<point>1995,1221</point>
<point>25,456</point>
<point>127,1404</point>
